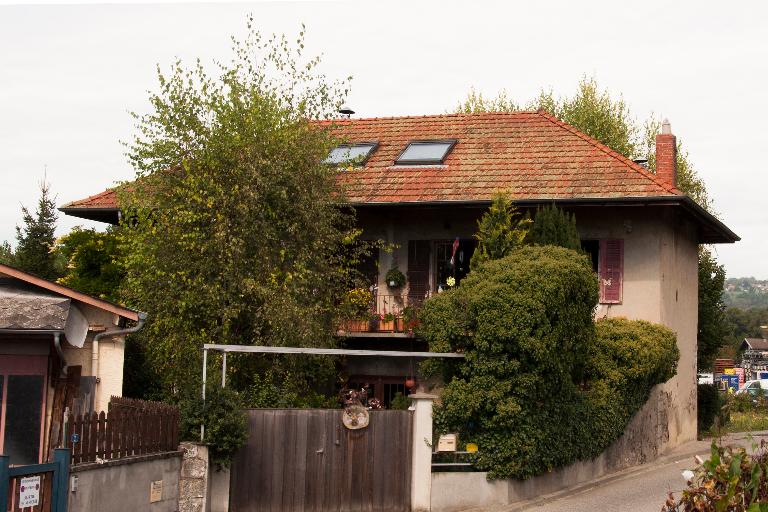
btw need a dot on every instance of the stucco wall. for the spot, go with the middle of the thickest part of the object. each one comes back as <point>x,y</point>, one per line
<point>124,484</point>
<point>111,357</point>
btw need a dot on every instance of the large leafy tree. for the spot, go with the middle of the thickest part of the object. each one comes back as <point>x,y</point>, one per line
<point>609,120</point>
<point>236,234</point>
<point>93,262</point>
<point>35,239</point>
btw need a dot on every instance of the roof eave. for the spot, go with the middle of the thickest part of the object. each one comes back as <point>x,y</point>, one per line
<point>716,232</point>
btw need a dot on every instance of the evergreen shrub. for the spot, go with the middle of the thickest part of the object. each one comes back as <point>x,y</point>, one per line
<point>709,405</point>
<point>542,385</point>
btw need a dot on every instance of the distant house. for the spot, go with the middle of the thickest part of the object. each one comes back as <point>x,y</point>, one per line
<point>59,349</point>
<point>756,344</point>
<point>423,182</point>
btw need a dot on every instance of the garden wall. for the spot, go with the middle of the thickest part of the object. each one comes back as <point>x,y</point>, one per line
<point>646,437</point>
<point>126,484</point>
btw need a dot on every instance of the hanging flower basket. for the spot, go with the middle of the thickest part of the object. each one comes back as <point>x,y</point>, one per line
<point>395,278</point>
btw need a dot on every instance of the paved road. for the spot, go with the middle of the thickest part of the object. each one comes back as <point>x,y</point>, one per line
<point>639,489</point>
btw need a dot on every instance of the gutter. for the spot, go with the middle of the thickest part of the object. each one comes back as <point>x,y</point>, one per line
<point>118,332</point>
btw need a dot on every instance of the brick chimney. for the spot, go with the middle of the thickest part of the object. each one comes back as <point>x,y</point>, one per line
<point>666,155</point>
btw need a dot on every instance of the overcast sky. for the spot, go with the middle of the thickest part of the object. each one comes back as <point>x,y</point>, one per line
<point>69,74</point>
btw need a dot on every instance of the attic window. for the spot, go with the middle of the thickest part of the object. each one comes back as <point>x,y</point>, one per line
<point>425,152</point>
<point>351,153</point>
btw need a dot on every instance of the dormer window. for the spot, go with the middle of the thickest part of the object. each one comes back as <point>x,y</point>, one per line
<point>356,154</point>
<point>425,152</point>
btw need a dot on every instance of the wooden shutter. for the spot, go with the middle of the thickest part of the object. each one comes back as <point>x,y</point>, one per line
<point>611,270</point>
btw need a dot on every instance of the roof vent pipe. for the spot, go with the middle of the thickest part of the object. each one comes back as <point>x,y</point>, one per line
<point>344,110</point>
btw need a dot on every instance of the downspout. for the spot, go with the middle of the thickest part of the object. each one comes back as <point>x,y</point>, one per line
<point>57,346</point>
<point>118,332</point>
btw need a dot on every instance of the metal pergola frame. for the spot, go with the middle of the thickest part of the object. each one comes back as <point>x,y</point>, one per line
<point>257,349</point>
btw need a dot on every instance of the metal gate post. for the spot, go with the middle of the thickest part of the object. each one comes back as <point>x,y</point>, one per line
<point>61,457</point>
<point>4,482</point>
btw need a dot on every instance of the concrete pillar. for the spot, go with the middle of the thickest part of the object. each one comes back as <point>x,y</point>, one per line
<point>194,480</point>
<point>421,461</point>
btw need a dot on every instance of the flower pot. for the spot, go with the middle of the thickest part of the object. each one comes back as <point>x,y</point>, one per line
<point>356,325</point>
<point>399,324</point>
<point>386,325</point>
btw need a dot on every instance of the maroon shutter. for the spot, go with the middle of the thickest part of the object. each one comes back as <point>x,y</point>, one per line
<point>611,270</point>
<point>418,270</point>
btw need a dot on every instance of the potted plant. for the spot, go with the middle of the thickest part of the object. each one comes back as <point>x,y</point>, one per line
<point>356,308</point>
<point>410,317</point>
<point>387,323</point>
<point>394,278</point>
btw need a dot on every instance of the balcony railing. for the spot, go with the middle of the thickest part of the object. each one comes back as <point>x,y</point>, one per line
<point>386,315</point>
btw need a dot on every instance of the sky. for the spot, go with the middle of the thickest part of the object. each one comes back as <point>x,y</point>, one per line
<point>70,75</point>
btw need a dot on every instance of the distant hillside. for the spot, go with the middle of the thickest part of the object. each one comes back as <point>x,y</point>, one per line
<point>745,293</point>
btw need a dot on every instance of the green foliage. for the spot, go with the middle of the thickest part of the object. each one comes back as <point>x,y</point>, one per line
<point>709,405</point>
<point>399,402</point>
<point>500,230</point>
<point>712,327</point>
<point>6,254</point>
<point>35,241</point>
<point>609,120</point>
<point>731,480</point>
<point>224,420</point>
<point>553,226</point>
<point>534,356</point>
<point>357,304</point>
<point>394,275</point>
<point>236,235</point>
<point>746,293</point>
<point>94,262</point>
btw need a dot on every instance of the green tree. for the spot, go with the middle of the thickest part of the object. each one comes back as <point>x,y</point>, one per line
<point>609,120</point>
<point>36,241</point>
<point>500,230</point>
<point>553,226</point>
<point>713,328</point>
<point>6,254</point>
<point>93,262</point>
<point>237,235</point>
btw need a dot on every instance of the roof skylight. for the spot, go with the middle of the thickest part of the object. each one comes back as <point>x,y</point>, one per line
<point>425,152</point>
<point>351,153</point>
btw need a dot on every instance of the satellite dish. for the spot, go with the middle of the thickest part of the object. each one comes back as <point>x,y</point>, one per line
<point>355,417</point>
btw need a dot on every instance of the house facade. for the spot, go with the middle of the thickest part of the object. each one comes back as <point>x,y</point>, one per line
<point>421,184</point>
<point>59,349</point>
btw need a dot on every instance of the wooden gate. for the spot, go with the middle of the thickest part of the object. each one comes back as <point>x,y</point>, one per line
<point>306,460</point>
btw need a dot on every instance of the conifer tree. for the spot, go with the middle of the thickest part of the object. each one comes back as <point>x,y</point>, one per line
<point>500,230</point>
<point>35,249</point>
<point>553,226</point>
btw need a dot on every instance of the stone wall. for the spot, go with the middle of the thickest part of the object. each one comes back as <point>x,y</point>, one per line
<point>193,483</point>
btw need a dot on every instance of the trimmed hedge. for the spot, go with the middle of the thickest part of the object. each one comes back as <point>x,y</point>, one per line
<point>542,385</point>
<point>710,404</point>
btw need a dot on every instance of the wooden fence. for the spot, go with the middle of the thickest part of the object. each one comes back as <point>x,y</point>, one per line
<point>131,427</point>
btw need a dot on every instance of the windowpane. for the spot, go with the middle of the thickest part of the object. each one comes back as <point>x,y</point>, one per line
<point>22,418</point>
<point>350,153</point>
<point>425,152</point>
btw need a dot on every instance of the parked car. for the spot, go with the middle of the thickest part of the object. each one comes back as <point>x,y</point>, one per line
<point>754,387</point>
<point>705,378</point>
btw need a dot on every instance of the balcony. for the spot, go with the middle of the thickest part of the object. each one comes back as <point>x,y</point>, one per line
<point>391,315</point>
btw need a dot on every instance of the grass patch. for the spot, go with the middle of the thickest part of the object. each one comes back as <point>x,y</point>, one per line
<point>747,421</point>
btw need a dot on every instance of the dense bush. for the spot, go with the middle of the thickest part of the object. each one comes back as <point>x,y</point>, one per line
<point>542,384</point>
<point>553,226</point>
<point>224,420</point>
<point>709,403</point>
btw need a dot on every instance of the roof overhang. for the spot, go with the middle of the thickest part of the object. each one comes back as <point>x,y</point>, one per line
<point>712,230</point>
<point>107,215</point>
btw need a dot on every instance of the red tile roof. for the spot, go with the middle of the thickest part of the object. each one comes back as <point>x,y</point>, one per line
<point>531,154</point>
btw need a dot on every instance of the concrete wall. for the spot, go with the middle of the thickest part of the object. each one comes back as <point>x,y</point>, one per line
<point>125,484</point>
<point>643,440</point>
